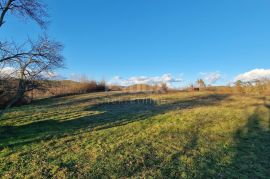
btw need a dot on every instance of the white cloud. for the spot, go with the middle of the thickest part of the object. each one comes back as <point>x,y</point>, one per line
<point>256,74</point>
<point>12,72</point>
<point>165,78</point>
<point>7,72</point>
<point>212,77</point>
<point>50,75</point>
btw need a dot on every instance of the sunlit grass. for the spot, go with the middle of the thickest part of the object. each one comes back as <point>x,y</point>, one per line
<point>171,135</point>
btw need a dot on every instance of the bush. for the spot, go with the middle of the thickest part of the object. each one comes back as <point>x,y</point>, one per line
<point>47,88</point>
<point>64,88</point>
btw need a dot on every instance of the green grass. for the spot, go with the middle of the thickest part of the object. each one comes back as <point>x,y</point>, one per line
<point>178,135</point>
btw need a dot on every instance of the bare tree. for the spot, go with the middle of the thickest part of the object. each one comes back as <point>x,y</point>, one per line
<point>33,9</point>
<point>32,60</point>
<point>201,84</point>
<point>164,87</point>
<point>239,85</point>
<point>35,61</point>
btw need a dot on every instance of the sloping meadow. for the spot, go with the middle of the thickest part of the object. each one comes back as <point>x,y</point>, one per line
<point>116,135</point>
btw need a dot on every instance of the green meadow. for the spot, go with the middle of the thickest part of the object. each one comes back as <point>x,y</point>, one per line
<point>116,135</point>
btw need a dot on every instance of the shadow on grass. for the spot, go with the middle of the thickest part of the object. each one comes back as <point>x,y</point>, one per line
<point>52,102</point>
<point>64,101</point>
<point>111,115</point>
<point>195,159</point>
<point>251,154</point>
<point>252,158</point>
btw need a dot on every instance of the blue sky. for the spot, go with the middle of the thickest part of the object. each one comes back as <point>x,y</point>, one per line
<point>185,38</point>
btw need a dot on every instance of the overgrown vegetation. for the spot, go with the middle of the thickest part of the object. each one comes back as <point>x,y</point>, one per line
<point>45,89</point>
<point>175,135</point>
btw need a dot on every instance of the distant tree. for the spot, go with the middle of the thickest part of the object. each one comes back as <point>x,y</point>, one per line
<point>101,86</point>
<point>261,85</point>
<point>201,83</point>
<point>164,87</point>
<point>239,86</point>
<point>82,79</point>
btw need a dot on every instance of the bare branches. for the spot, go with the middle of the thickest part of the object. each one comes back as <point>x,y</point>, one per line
<point>33,54</point>
<point>11,52</point>
<point>35,57</point>
<point>31,62</point>
<point>33,9</point>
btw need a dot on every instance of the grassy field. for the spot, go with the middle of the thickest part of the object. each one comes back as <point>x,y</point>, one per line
<point>113,135</point>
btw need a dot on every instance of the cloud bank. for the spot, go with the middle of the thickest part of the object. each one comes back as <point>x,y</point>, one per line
<point>212,77</point>
<point>256,74</point>
<point>8,71</point>
<point>12,72</point>
<point>165,78</point>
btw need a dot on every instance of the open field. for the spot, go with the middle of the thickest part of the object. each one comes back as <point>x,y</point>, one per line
<point>173,135</point>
